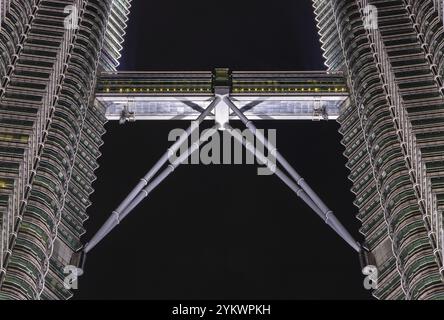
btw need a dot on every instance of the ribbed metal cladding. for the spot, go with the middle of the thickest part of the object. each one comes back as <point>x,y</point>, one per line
<point>393,134</point>
<point>4,7</point>
<point>50,133</point>
<point>325,19</point>
<point>115,33</point>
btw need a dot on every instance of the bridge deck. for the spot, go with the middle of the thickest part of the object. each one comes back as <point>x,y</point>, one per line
<point>183,95</point>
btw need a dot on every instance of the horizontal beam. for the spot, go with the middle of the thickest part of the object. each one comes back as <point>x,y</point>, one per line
<point>184,95</point>
<point>256,108</point>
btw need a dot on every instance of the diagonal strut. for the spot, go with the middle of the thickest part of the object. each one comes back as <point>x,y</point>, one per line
<point>144,187</point>
<point>326,213</point>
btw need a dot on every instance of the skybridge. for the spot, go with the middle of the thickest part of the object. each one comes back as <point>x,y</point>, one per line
<point>131,96</point>
<point>222,96</point>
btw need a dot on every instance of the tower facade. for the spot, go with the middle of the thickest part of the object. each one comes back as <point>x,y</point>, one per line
<point>50,133</point>
<point>4,7</point>
<point>393,133</point>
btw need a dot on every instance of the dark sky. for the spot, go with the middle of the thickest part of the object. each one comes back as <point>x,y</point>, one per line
<point>222,232</point>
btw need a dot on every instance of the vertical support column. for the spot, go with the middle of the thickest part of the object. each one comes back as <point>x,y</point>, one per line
<point>222,109</point>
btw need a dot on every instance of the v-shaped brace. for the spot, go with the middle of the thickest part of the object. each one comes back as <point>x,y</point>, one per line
<point>222,101</point>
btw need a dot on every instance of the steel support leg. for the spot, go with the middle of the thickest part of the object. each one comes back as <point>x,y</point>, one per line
<point>116,217</point>
<point>339,228</point>
<point>164,159</point>
<point>159,164</point>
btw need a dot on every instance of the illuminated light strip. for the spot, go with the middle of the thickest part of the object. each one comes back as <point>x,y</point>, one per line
<point>12,138</point>
<point>249,89</point>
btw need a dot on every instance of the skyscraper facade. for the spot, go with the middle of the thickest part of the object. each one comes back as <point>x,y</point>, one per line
<point>392,54</point>
<point>50,133</point>
<point>4,6</point>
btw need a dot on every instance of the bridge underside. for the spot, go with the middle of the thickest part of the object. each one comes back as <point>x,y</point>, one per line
<point>131,96</point>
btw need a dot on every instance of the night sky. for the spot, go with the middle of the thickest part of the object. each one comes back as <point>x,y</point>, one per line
<point>222,232</point>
